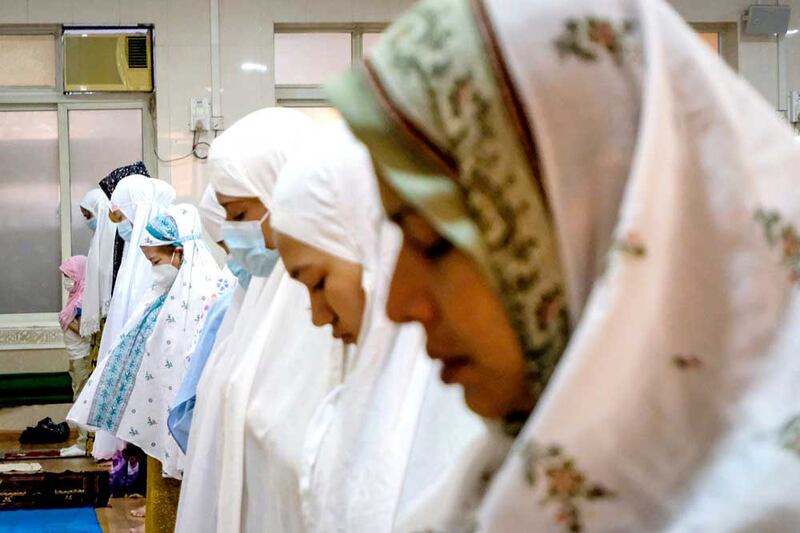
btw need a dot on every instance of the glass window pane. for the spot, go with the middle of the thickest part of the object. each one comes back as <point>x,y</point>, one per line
<point>310,58</point>
<point>30,238</point>
<point>369,40</point>
<point>320,114</point>
<point>99,142</point>
<point>711,39</point>
<point>27,61</point>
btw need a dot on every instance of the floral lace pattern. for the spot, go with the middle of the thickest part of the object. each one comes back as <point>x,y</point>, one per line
<point>783,235</point>
<point>468,127</point>
<point>587,38</point>
<point>631,244</point>
<point>790,435</point>
<point>119,375</point>
<point>564,486</point>
<point>687,361</point>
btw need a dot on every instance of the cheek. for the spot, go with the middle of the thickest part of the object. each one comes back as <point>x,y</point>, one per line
<point>410,297</point>
<point>478,319</point>
<point>269,236</point>
<point>346,298</point>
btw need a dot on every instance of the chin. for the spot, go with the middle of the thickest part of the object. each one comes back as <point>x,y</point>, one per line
<point>484,404</point>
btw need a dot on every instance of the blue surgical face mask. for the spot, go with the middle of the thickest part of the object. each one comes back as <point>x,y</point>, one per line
<point>247,246</point>
<point>239,271</point>
<point>92,223</point>
<point>125,229</point>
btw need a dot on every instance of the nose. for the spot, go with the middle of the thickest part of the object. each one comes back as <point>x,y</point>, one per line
<point>409,300</point>
<point>321,313</point>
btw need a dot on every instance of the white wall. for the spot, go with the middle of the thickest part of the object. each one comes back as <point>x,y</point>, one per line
<point>183,50</point>
<point>182,54</point>
<point>758,56</point>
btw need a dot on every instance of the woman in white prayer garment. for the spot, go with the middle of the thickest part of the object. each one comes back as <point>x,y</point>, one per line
<point>136,200</point>
<point>336,240</point>
<point>601,230</point>
<point>276,367</point>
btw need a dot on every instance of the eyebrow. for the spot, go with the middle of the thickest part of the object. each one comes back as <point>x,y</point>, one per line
<point>399,216</point>
<point>295,272</point>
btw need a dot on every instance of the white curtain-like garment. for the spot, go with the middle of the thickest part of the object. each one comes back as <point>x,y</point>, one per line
<point>200,472</point>
<point>286,371</point>
<point>244,161</point>
<point>212,213</point>
<point>99,264</point>
<point>140,199</point>
<point>197,506</point>
<point>358,444</point>
<point>676,405</point>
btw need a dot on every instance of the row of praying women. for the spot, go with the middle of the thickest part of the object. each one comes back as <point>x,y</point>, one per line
<point>573,210</point>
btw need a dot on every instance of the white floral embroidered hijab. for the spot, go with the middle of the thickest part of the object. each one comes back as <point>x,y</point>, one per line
<point>607,125</point>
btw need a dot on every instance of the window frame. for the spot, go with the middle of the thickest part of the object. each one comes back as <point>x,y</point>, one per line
<point>291,95</point>
<point>41,331</point>
<point>38,29</point>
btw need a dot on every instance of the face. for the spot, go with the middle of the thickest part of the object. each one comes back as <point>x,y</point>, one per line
<point>466,325</point>
<point>241,209</point>
<point>163,255</point>
<point>116,216</point>
<point>334,286</point>
<point>86,213</point>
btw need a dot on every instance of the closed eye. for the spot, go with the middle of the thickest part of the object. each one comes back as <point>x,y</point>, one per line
<point>438,249</point>
<point>320,285</point>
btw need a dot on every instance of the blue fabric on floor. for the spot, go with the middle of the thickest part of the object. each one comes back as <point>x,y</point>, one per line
<point>76,520</point>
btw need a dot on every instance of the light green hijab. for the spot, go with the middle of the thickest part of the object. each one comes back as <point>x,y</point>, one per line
<point>444,126</point>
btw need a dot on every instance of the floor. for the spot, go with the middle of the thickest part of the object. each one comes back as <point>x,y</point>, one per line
<point>116,518</point>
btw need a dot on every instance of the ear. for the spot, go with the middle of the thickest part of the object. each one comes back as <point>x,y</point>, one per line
<point>179,254</point>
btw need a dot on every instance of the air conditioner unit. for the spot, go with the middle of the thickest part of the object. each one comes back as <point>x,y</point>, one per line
<point>108,60</point>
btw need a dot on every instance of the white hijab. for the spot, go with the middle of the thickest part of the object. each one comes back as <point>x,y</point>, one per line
<point>212,214</point>
<point>359,441</point>
<point>99,263</point>
<point>179,324</point>
<point>140,199</point>
<point>201,467</point>
<point>675,407</point>
<point>244,161</point>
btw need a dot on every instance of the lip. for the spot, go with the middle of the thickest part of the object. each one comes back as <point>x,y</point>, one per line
<point>342,335</point>
<point>453,365</point>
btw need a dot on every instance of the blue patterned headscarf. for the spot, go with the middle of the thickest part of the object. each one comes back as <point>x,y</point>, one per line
<point>162,231</point>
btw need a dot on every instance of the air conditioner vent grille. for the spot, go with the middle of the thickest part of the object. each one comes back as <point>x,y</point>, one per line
<point>137,51</point>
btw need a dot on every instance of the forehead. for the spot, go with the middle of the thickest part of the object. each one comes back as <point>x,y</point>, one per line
<point>297,254</point>
<point>392,203</point>
<point>157,251</point>
<point>226,200</point>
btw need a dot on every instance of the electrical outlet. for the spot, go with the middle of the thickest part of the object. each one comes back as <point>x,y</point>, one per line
<point>200,112</point>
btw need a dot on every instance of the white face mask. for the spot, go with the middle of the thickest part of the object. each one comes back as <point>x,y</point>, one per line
<point>68,284</point>
<point>163,277</point>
